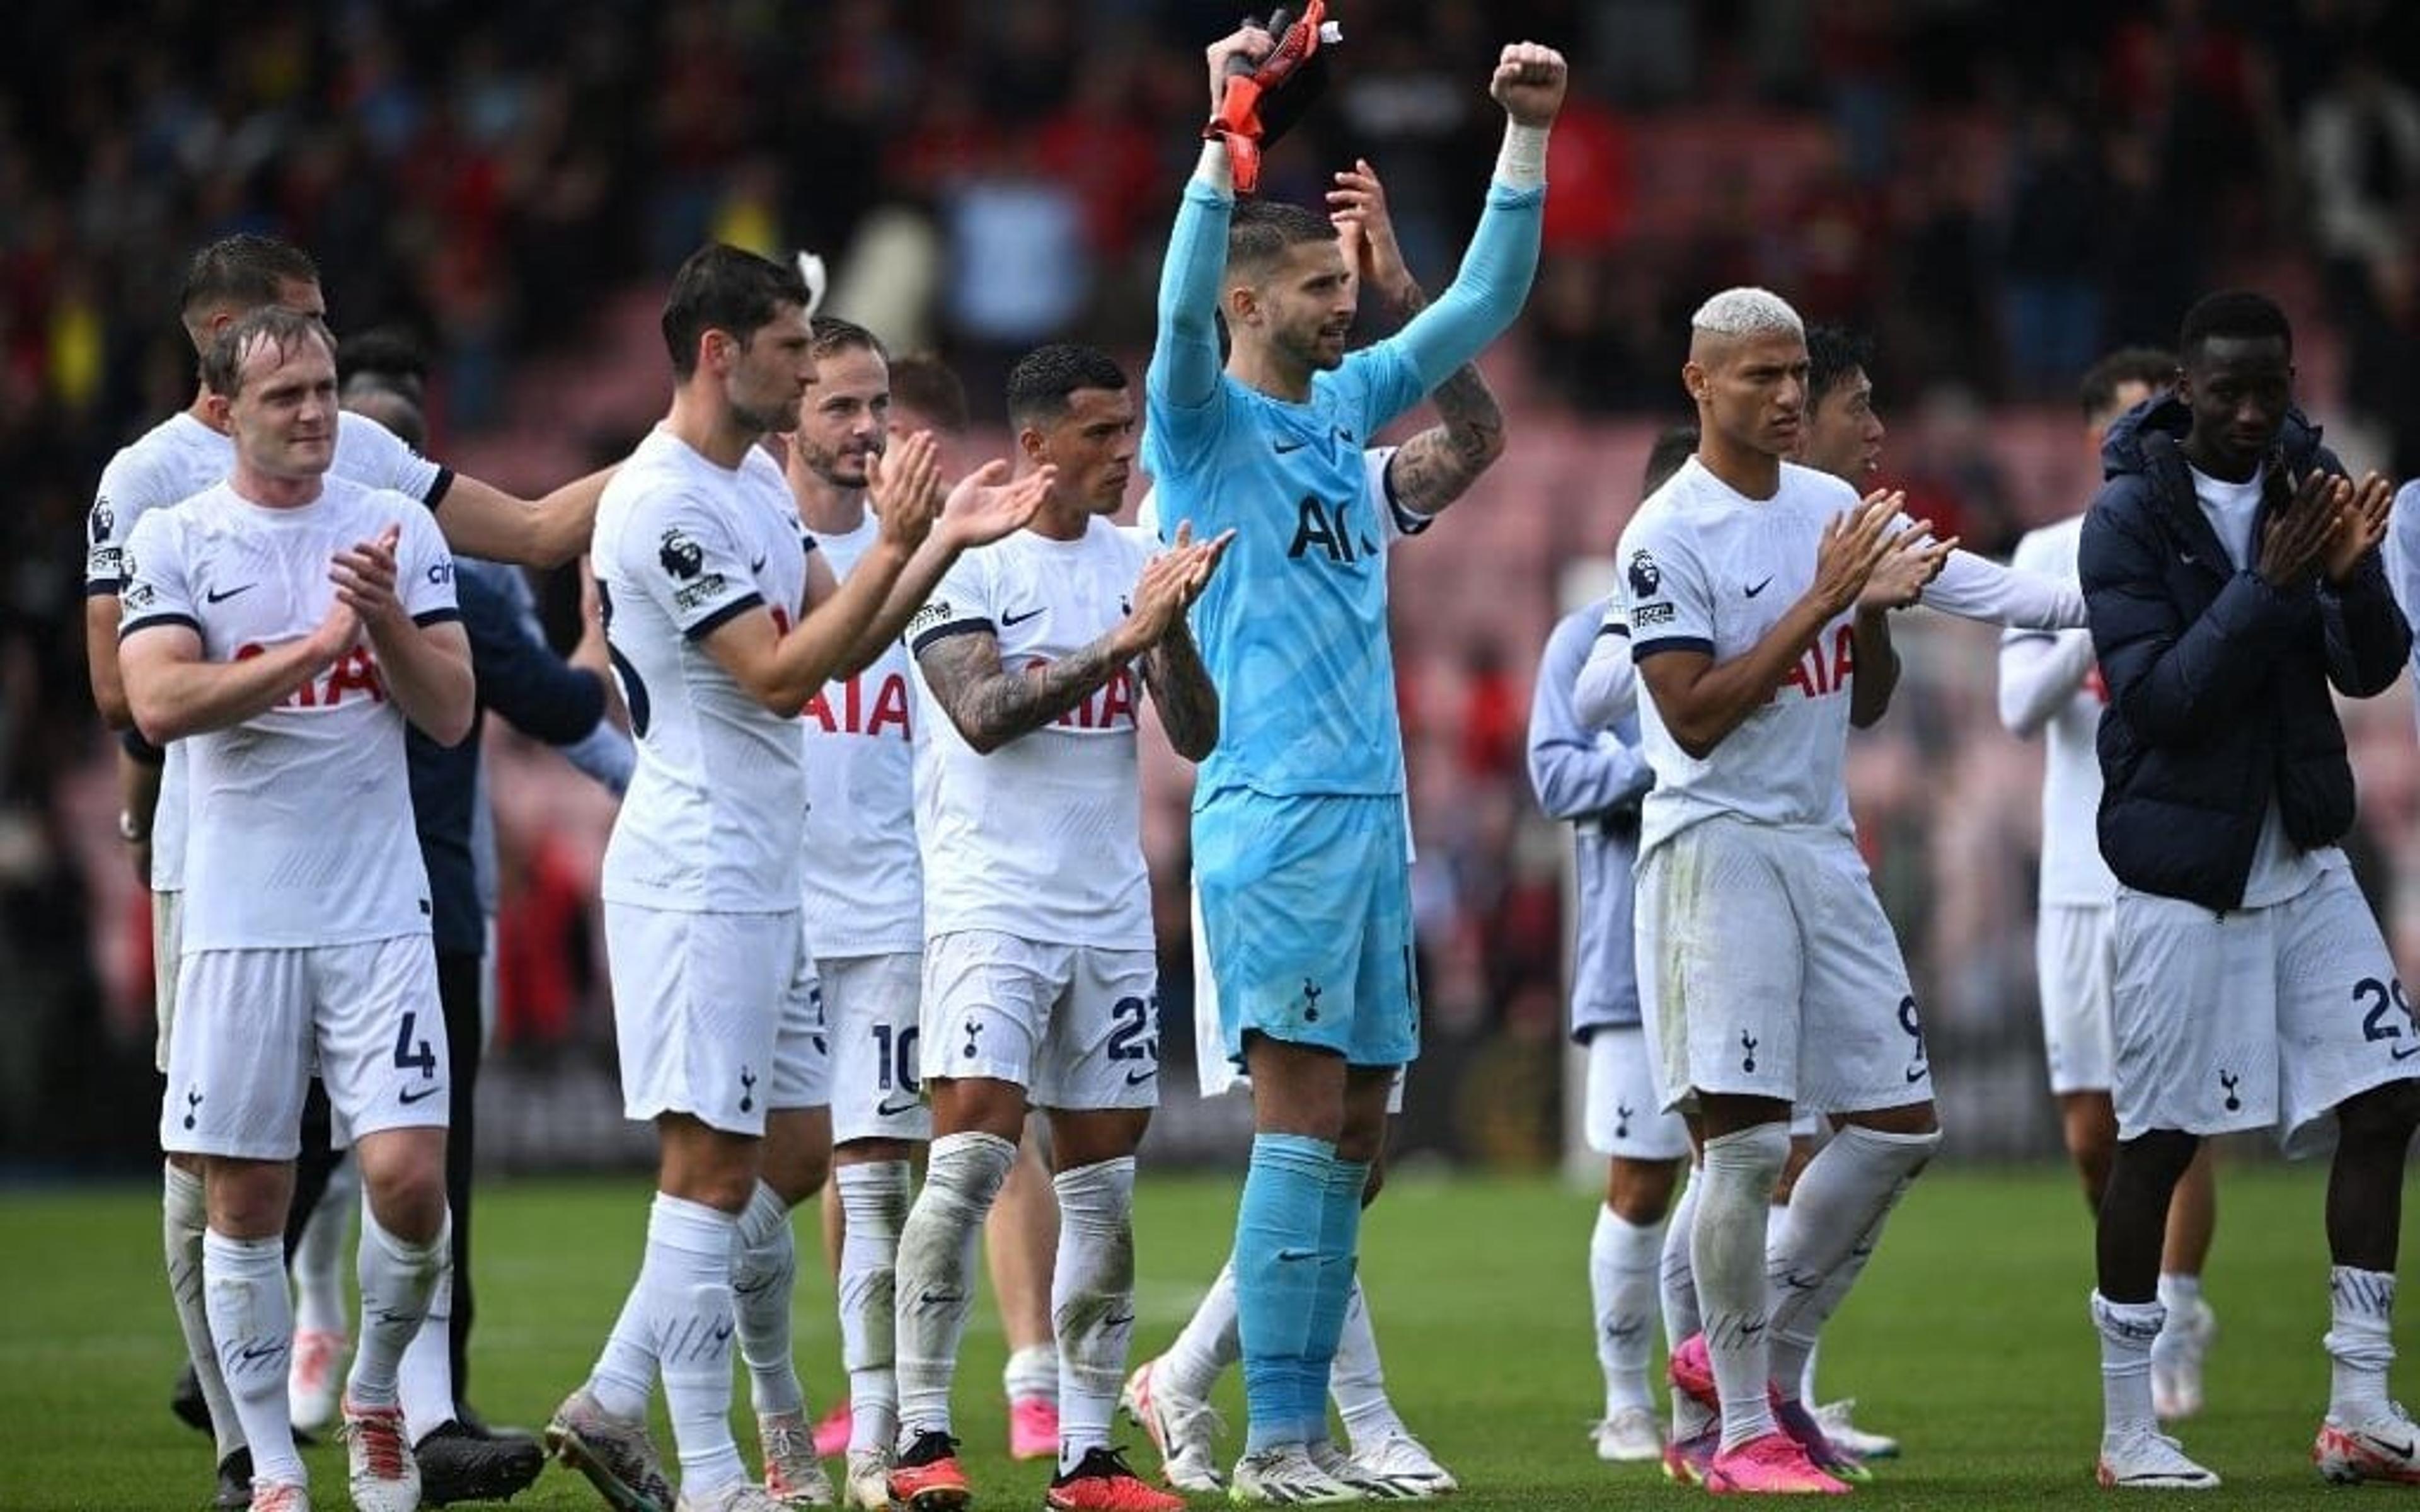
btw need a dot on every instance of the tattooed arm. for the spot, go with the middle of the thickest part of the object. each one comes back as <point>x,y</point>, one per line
<point>1436,467</point>
<point>1182,691</point>
<point>992,705</point>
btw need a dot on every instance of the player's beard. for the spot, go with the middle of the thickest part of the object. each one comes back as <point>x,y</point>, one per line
<point>762,419</point>
<point>835,468</point>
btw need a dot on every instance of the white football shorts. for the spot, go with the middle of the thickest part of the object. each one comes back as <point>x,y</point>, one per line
<point>1766,968</point>
<point>1076,1025</point>
<point>716,1015</point>
<point>1623,1117</point>
<point>251,1023</point>
<point>2257,1018</point>
<point>167,952</point>
<point>2075,957</point>
<point>871,1004</point>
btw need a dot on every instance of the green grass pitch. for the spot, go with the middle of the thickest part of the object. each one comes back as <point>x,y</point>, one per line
<point>1967,1338</point>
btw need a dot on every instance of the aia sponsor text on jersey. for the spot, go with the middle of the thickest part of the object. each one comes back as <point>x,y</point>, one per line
<point>844,707</point>
<point>354,672</point>
<point>1819,674</point>
<point>1110,706</point>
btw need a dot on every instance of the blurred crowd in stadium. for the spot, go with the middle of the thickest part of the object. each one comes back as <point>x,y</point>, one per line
<point>1997,194</point>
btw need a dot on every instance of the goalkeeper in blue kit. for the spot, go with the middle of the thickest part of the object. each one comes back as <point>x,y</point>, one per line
<point>1298,826</point>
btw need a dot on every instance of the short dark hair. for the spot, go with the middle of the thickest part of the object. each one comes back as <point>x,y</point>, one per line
<point>1834,352</point>
<point>1260,232</point>
<point>720,287</point>
<point>1674,445</point>
<point>1040,384</point>
<point>2148,365</point>
<point>2238,315</point>
<point>922,382</point>
<point>391,407</point>
<point>246,269</point>
<point>223,363</point>
<point>388,355</point>
<point>831,335</point>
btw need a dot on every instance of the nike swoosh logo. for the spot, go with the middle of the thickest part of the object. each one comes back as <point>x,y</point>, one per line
<point>1917,1074</point>
<point>1282,448</point>
<point>1759,588</point>
<point>2388,1446</point>
<point>1136,1078</point>
<point>217,595</point>
<point>420,1094</point>
<point>2405,1052</point>
<point>884,1110</point>
<point>1121,1321</point>
<point>758,565</point>
<point>1007,620</point>
<point>251,1353</point>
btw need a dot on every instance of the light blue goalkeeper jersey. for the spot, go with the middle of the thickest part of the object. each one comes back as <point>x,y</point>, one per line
<point>1294,627</point>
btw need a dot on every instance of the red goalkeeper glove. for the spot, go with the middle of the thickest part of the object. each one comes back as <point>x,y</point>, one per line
<point>1262,101</point>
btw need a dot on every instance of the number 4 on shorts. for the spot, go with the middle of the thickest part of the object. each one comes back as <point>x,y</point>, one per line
<point>418,1057</point>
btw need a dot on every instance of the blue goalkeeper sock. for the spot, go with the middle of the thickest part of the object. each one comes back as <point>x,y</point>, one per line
<point>1278,1231</point>
<point>1340,1243</point>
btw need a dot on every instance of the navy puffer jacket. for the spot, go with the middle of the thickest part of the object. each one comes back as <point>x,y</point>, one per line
<point>2218,683</point>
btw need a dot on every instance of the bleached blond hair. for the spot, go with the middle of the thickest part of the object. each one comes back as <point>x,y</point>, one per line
<point>1747,312</point>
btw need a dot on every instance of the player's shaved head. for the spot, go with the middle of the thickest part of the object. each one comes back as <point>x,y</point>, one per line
<point>268,329</point>
<point>1724,324</point>
<point>1263,233</point>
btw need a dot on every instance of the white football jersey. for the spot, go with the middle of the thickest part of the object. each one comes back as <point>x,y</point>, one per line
<point>1705,568</point>
<point>172,462</point>
<point>300,819</point>
<point>1043,837</point>
<point>715,818</point>
<point>866,881</point>
<point>2072,871</point>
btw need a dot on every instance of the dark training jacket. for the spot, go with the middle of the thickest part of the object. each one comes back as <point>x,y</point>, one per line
<point>2218,683</point>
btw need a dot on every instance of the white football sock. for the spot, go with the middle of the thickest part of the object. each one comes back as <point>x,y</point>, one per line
<point>1031,1371</point>
<point>687,1282</point>
<point>1092,1300</point>
<point>2360,1341</point>
<point>1211,1341</point>
<point>1357,1381</point>
<point>624,1377</point>
<point>1677,1287</point>
<point>252,1318</point>
<point>763,1274</point>
<point>2127,1330</point>
<point>1835,1217</point>
<point>319,1257</point>
<point>2178,1289</point>
<point>1623,1259</point>
<point>423,1380</point>
<point>395,1280</point>
<point>183,1215</point>
<point>874,1203</point>
<point>937,1265</point>
<point>1728,1253</point>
